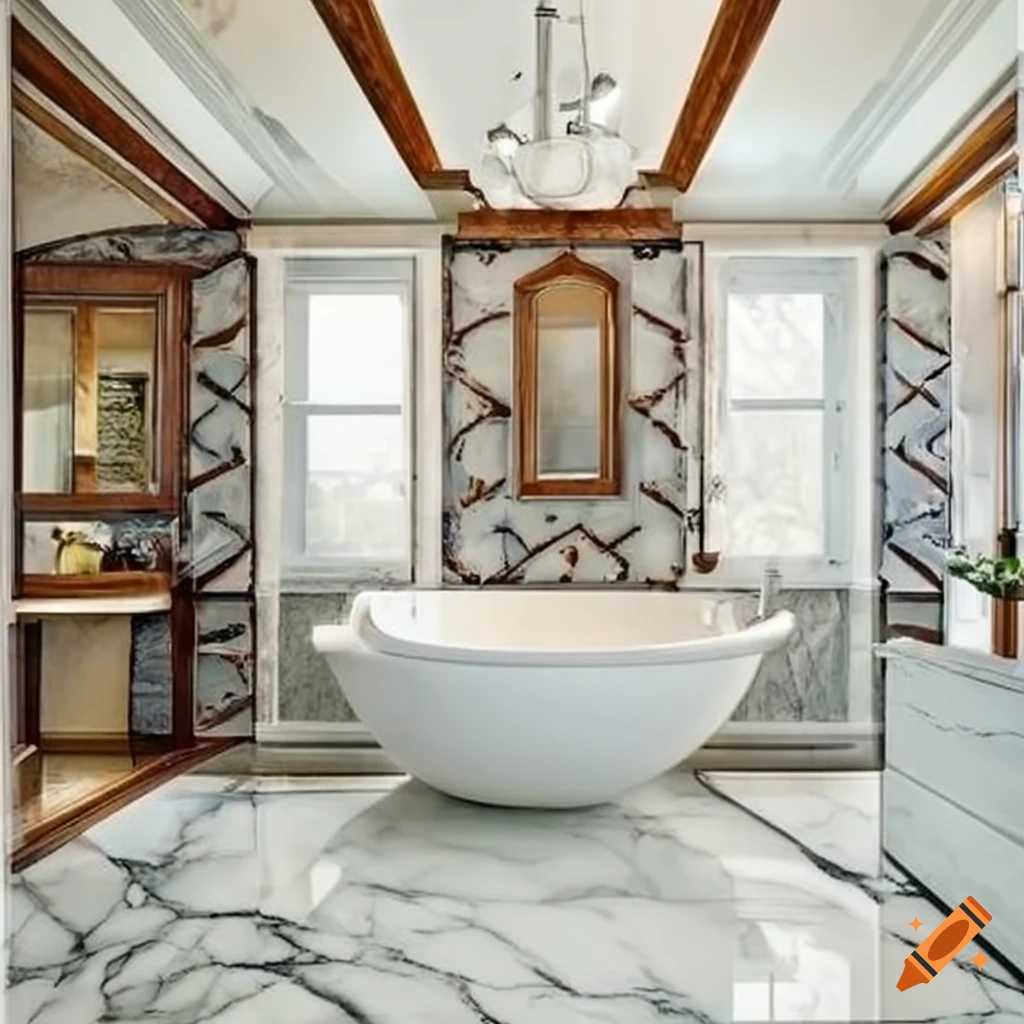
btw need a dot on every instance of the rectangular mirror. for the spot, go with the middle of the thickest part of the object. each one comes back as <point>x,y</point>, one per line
<point>100,356</point>
<point>89,410</point>
<point>566,356</point>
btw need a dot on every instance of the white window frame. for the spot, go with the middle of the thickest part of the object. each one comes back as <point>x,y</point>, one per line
<point>334,275</point>
<point>835,277</point>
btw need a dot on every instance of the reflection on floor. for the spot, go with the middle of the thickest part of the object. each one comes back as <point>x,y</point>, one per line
<point>50,783</point>
<point>243,900</point>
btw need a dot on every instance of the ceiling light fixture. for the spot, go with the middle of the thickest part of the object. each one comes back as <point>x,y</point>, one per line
<point>589,167</point>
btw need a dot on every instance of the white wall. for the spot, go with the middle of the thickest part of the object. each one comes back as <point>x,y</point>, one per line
<point>977,248</point>
<point>58,194</point>
<point>272,246</point>
<point>85,654</point>
<point>6,468</point>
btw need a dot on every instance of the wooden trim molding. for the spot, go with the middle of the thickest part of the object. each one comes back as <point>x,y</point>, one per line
<point>999,172</point>
<point>627,224</point>
<point>995,134</point>
<point>87,285</point>
<point>566,270</point>
<point>63,133</point>
<point>736,35</point>
<point>42,69</point>
<point>66,824</point>
<point>103,584</point>
<point>358,33</point>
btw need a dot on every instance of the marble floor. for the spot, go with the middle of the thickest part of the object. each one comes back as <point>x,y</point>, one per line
<point>715,897</point>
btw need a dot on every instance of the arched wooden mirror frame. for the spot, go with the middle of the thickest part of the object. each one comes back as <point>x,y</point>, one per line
<point>566,269</point>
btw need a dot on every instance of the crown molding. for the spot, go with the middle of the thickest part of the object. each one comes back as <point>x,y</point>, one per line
<point>916,67</point>
<point>267,142</point>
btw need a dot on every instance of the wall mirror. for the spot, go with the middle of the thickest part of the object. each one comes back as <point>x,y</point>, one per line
<point>89,394</point>
<point>100,386</point>
<point>567,381</point>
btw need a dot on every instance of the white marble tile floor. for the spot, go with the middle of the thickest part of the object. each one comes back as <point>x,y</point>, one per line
<point>707,898</point>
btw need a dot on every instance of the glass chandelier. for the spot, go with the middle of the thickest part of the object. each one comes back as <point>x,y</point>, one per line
<point>585,167</point>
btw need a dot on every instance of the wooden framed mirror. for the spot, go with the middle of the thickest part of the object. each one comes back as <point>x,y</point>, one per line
<point>100,404</point>
<point>567,408</point>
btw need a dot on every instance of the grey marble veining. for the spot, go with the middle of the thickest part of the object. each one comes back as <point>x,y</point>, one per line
<point>193,247</point>
<point>331,901</point>
<point>955,767</point>
<point>808,679</point>
<point>306,688</point>
<point>224,662</point>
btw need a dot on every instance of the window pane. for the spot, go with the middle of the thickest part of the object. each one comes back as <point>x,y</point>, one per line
<point>356,349</point>
<point>775,496</point>
<point>355,491</point>
<point>776,346</point>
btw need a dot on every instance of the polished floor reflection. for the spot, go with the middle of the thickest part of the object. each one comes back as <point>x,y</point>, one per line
<point>312,901</point>
<point>51,783</point>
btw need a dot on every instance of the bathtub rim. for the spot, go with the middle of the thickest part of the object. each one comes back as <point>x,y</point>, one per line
<point>757,639</point>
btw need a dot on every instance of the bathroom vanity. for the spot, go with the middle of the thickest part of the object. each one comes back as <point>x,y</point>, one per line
<point>953,812</point>
<point>133,511</point>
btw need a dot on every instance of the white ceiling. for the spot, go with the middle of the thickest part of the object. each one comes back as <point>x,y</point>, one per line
<point>461,57</point>
<point>844,103</point>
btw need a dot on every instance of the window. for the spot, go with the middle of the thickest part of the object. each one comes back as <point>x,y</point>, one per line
<point>785,330</point>
<point>348,417</point>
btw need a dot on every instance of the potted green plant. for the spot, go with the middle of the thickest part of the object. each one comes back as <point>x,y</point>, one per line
<point>1002,578</point>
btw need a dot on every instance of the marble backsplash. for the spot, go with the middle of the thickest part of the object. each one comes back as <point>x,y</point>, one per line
<point>639,536</point>
<point>810,680</point>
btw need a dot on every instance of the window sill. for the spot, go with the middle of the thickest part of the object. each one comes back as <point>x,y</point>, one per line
<point>747,575</point>
<point>323,581</point>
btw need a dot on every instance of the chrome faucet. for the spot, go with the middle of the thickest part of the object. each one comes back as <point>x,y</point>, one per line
<point>771,584</point>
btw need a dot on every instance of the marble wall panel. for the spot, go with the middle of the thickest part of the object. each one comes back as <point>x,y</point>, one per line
<point>307,688</point>
<point>152,675</point>
<point>489,536</point>
<point>219,555</point>
<point>186,246</point>
<point>808,679</point>
<point>916,418</point>
<point>223,682</point>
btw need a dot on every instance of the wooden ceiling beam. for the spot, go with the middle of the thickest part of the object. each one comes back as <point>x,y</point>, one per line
<point>736,35</point>
<point>993,136</point>
<point>626,224</point>
<point>358,33</point>
<point>42,69</point>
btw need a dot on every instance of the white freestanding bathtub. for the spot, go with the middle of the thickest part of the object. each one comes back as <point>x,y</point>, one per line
<point>532,698</point>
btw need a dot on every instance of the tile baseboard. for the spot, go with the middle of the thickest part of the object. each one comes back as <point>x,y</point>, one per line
<point>750,746</point>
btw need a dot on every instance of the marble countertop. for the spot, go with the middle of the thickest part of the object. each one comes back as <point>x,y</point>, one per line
<point>975,664</point>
